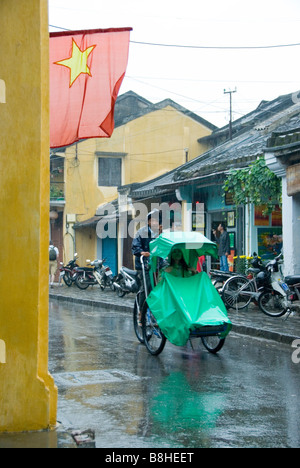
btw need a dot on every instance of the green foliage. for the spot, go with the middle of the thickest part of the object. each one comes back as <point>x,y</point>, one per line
<point>255,184</point>
<point>55,192</point>
<point>242,263</point>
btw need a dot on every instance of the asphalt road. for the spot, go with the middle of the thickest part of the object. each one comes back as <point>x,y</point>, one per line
<point>246,396</point>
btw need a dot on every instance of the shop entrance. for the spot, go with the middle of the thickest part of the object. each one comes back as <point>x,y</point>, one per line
<point>233,220</point>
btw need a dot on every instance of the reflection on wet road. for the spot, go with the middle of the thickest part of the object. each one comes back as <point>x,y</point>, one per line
<point>247,396</point>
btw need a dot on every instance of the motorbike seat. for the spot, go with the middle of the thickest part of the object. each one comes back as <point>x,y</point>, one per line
<point>255,271</point>
<point>292,279</point>
<point>86,269</point>
<point>130,272</point>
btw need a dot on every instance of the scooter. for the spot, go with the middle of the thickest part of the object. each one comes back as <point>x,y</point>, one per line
<point>127,281</point>
<point>293,293</point>
<point>282,294</point>
<point>107,277</point>
<point>67,272</point>
<point>89,276</point>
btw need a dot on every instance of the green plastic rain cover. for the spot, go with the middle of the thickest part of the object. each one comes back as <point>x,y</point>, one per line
<point>181,305</point>
<point>192,244</point>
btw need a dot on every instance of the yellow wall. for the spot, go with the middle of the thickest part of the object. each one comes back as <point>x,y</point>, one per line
<point>28,396</point>
<point>155,143</point>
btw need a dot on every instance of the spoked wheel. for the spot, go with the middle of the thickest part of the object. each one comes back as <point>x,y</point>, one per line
<point>154,339</point>
<point>236,291</point>
<point>213,344</point>
<point>272,303</point>
<point>137,321</point>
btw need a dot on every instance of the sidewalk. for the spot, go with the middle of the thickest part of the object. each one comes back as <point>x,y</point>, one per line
<point>250,321</point>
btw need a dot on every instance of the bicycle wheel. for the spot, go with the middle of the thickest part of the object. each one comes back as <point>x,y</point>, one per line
<point>137,317</point>
<point>236,291</point>
<point>213,344</point>
<point>272,303</point>
<point>154,339</point>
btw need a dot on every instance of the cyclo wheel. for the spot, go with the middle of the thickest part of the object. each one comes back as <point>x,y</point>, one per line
<point>213,344</point>
<point>154,339</point>
<point>233,292</point>
<point>272,303</point>
<point>137,317</point>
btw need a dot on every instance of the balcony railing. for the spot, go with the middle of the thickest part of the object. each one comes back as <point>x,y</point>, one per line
<point>57,191</point>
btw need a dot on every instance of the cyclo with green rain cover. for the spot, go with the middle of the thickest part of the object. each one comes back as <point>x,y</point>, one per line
<point>181,307</point>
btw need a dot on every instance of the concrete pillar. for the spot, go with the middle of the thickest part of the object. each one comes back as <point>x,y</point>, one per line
<point>28,396</point>
<point>290,231</point>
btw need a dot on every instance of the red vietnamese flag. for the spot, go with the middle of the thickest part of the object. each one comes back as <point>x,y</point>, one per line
<point>86,72</point>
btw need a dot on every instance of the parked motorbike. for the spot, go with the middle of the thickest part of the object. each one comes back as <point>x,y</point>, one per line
<point>107,277</point>
<point>67,272</point>
<point>281,296</point>
<point>127,281</point>
<point>90,275</point>
<point>293,293</point>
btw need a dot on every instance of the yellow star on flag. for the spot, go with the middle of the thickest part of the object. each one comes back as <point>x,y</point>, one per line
<point>77,63</point>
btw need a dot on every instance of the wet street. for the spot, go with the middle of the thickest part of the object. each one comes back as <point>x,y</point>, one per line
<point>247,396</point>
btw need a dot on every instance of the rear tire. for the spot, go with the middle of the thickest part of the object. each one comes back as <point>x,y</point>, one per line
<point>120,291</point>
<point>272,304</point>
<point>67,279</point>
<point>80,283</point>
<point>213,344</point>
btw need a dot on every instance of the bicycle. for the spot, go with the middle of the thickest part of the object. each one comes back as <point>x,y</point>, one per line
<point>194,310</point>
<point>238,292</point>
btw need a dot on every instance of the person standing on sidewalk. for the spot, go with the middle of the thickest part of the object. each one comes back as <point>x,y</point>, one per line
<point>53,258</point>
<point>224,246</point>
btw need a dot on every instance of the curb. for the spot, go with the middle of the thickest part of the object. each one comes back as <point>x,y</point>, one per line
<point>263,333</point>
<point>93,303</point>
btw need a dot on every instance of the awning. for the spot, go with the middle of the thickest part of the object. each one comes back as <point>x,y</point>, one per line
<point>92,222</point>
<point>88,222</point>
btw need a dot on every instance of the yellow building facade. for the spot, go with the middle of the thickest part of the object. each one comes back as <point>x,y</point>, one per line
<point>28,396</point>
<point>147,142</point>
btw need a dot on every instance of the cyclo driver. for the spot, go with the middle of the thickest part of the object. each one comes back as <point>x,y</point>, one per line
<point>140,247</point>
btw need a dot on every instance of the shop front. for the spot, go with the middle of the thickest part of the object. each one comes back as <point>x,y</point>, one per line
<point>210,208</point>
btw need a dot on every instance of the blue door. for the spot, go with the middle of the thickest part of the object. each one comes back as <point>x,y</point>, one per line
<point>110,252</point>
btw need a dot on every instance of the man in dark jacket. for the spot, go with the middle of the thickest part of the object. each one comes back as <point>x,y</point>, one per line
<point>141,242</point>
<point>140,247</point>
